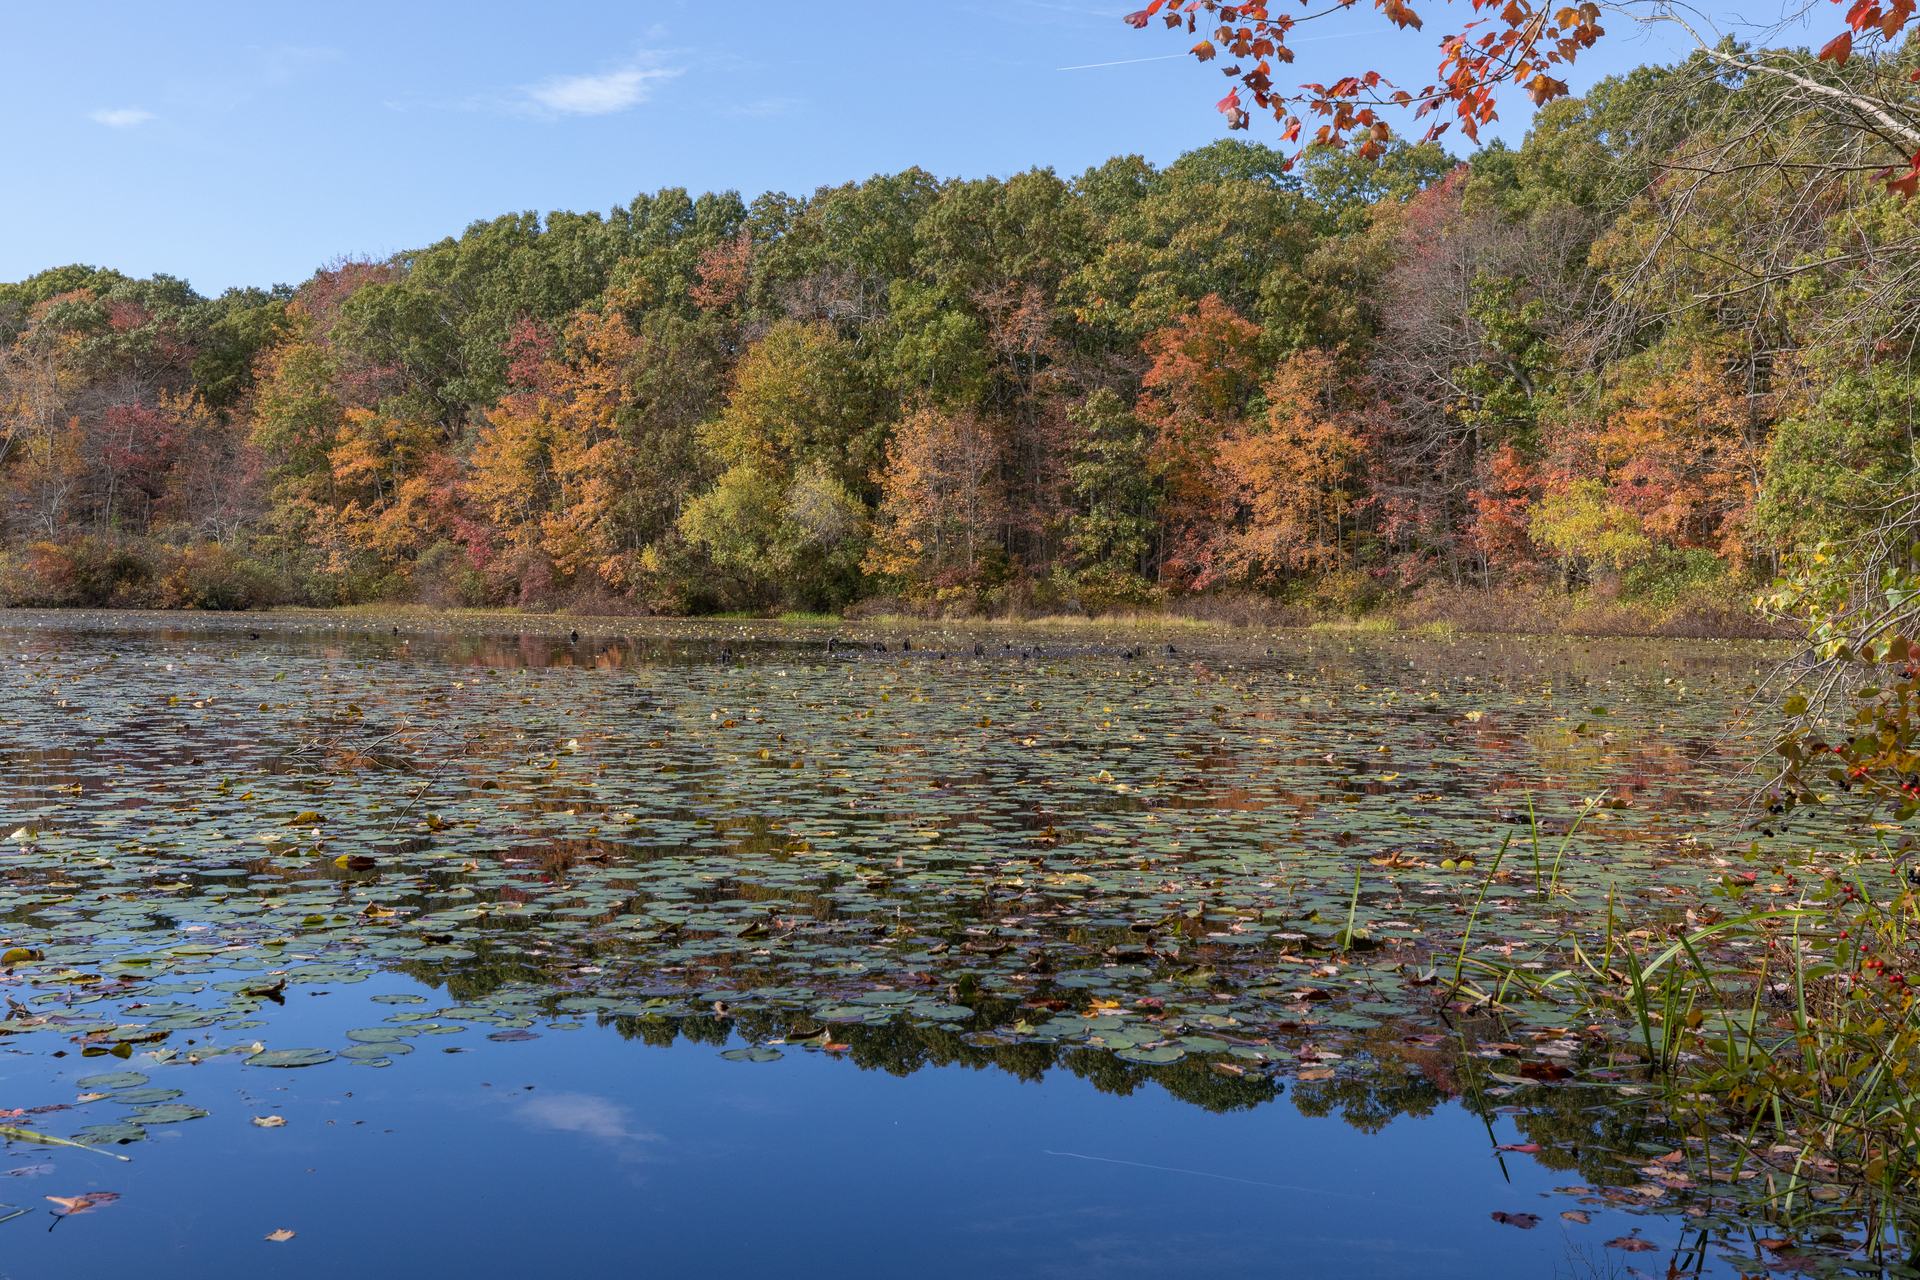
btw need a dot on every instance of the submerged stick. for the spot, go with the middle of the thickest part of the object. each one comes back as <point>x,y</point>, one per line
<point>48,1140</point>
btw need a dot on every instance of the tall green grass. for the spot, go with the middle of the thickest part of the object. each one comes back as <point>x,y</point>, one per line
<point>1783,1023</point>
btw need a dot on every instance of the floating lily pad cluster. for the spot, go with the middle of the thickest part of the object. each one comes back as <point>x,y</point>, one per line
<point>1237,850</point>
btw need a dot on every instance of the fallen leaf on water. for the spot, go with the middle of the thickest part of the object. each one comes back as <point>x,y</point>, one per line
<point>1576,1215</point>
<point>1774,1245</point>
<point>280,1236</point>
<point>1315,1073</point>
<point>70,1205</point>
<point>1524,1148</point>
<point>90,1097</point>
<point>1524,1221</point>
<point>1632,1244</point>
<point>270,1122</point>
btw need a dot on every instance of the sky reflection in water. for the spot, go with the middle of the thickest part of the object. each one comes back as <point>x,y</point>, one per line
<point>640,1159</point>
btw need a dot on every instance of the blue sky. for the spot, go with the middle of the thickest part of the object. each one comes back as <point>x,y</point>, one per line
<point>248,144</point>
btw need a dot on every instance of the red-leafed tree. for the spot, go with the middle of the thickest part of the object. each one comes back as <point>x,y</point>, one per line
<point>1523,45</point>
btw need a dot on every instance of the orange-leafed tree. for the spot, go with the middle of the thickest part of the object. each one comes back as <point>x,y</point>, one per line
<point>1204,367</point>
<point>549,465</point>
<point>724,272</point>
<point>942,504</point>
<point>1298,477</point>
<point>1678,449</point>
<point>384,505</point>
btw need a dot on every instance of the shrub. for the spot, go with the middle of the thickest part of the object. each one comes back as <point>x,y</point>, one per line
<point>1104,588</point>
<point>210,576</point>
<point>87,572</point>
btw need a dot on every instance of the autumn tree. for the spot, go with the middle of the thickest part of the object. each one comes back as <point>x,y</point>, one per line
<point>799,440</point>
<point>1299,475</point>
<point>1195,395</point>
<point>942,507</point>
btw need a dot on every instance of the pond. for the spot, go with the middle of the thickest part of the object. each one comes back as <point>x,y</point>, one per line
<point>482,946</point>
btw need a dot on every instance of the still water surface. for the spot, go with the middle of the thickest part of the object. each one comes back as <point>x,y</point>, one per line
<point>1007,950</point>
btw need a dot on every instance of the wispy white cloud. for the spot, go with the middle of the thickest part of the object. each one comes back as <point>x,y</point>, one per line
<point>583,1113</point>
<point>120,117</point>
<point>596,95</point>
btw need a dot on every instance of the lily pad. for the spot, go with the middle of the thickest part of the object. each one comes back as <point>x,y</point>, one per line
<point>168,1113</point>
<point>758,1053</point>
<point>113,1080</point>
<point>290,1058</point>
<point>1160,1056</point>
<point>1260,1053</point>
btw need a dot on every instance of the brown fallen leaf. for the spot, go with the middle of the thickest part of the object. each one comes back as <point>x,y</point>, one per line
<point>280,1236</point>
<point>1576,1215</point>
<point>90,1097</point>
<point>270,1122</point>
<point>1774,1245</point>
<point>70,1205</point>
<point>1315,1073</point>
<point>1632,1244</point>
<point>1524,1221</point>
<point>1545,1071</point>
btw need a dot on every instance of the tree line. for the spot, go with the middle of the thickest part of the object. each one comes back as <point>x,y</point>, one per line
<point>1650,351</point>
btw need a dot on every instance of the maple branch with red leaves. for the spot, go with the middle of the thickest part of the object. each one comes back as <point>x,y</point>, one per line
<point>1514,44</point>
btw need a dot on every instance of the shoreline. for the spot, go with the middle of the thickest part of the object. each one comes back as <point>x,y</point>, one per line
<point>1375,625</point>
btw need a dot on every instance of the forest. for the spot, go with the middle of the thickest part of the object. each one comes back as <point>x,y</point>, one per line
<point>1634,363</point>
